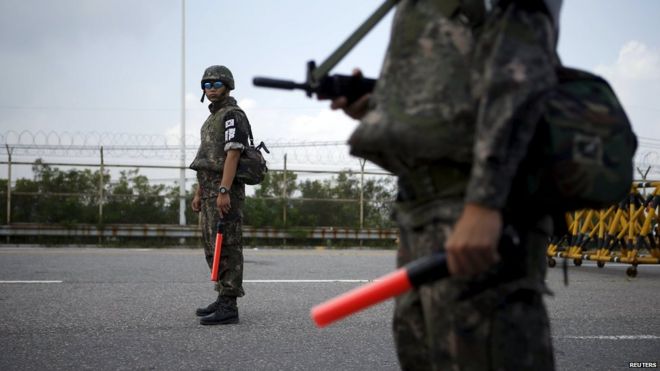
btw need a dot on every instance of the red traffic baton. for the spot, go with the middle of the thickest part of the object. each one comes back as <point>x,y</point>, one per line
<point>414,274</point>
<point>217,253</point>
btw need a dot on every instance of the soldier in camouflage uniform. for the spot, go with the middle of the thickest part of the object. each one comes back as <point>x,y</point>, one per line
<point>219,194</point>
<point>442,119</point>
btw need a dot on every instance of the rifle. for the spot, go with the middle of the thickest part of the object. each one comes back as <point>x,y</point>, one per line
<point>327,86</point>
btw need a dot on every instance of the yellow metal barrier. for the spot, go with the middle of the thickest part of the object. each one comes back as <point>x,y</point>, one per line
<point>628,233</point>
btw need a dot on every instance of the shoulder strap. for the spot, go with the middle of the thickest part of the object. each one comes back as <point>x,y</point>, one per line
<point>261,145</point>
<point>237,108</point>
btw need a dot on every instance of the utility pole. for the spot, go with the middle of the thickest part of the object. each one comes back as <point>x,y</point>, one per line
<point>182,132</point>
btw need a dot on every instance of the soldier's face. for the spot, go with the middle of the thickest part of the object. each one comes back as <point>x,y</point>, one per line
<point>214,94</point>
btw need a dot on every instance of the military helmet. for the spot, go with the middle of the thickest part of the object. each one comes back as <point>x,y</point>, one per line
<point>220,73</point>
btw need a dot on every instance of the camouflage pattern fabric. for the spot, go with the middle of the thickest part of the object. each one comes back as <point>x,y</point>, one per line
<point>440,84</point>
<point>585,142</point>
<point>230,274</point>
<point>226,118</point>
<point>215,138</point>
<point>220,73</point>
<point>494,321</point>
<point>449,89</point>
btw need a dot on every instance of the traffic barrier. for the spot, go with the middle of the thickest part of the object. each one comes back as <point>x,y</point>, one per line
<point>627,233</point>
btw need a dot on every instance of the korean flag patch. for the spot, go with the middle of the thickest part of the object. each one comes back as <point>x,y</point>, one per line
<point>229,123</point>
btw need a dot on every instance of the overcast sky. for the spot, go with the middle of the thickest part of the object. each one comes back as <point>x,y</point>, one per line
<point>82,66</point>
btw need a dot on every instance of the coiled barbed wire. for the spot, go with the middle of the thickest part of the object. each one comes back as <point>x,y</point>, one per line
<point>164,148</point>
<point>326,154</point>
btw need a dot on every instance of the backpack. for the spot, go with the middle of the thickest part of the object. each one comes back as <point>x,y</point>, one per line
<point>252,166</point>
<point>582,152</point>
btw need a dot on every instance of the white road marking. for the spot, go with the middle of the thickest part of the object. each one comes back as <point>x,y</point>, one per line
<point>306,281</point>
<point>612,337</point>
<point>2,282</point>
<point>245,281</point>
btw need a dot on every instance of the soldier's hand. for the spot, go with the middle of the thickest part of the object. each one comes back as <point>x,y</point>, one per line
<point>472,245</point>
<point>196,203</point>
<point>223,203</point>
<point>357,109</point>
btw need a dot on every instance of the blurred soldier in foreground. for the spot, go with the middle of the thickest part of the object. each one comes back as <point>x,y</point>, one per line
<point>442,118</point>
<point>219,194</point>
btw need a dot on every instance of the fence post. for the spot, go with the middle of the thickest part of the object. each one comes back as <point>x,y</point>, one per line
<point>8,184</point>
<point>284,193</point>
<point>284,199</point>
<point>102,169</point>
<point>9,150</point>
<point>362,163</point>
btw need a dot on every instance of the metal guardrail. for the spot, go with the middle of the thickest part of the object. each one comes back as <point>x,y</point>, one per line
<point>191,231</point>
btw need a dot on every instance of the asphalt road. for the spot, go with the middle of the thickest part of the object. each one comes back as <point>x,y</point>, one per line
<point>125,309</point>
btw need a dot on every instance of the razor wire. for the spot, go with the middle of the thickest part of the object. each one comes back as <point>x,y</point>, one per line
<point>79,145</point>
<point>323,155</point>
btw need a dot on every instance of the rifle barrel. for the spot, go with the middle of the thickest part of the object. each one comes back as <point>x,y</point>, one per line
<point>278,84</point>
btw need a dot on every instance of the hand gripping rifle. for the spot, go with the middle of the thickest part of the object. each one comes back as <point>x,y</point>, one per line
<point>333,86</point>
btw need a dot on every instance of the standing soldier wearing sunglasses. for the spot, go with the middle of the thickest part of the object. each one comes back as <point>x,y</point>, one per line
<point>219,194</point>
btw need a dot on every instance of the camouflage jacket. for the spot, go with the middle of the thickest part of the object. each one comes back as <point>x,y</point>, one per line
<point>449,88</point>
<point>226,128</point>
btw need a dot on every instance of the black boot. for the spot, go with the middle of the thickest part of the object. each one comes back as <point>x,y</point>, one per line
<point>209,309</point>
<point>226,313</point>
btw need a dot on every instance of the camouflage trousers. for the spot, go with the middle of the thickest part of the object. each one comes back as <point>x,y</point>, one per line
<point>230,277</point>
<point>495,321</point>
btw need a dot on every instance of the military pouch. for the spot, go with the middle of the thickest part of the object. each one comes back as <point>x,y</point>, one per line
<point>582,152</point>
<point>252,167</point>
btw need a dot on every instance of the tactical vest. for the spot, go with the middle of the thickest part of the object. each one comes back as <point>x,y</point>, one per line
<point>423,110</point>
<point>422,107</point>
<point>211,153</point>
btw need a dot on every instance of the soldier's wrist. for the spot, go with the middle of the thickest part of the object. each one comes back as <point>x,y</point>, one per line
<point>222,190</point>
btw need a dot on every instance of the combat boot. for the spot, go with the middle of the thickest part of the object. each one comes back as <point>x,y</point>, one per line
<point>226,313</point>
<point>209,309</point>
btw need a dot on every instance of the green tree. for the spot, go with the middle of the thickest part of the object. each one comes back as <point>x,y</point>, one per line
<point>52,205</point>
<point>379,195</point>
<point>133,200</point>
<point>265,208</point>
<point>172,205</point>
<point>344,211</point>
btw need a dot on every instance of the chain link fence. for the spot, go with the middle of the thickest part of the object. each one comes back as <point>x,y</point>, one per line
<point>106,162</point>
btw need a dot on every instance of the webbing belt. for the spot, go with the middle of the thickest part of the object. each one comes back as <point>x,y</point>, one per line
<point>434,181</point>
